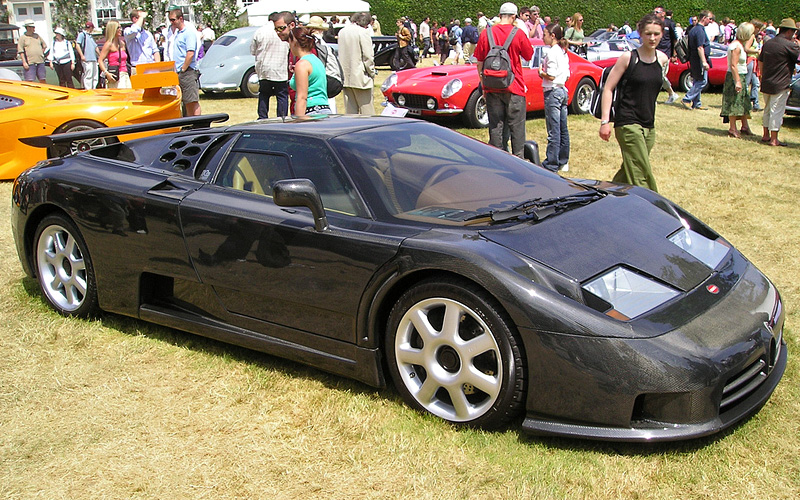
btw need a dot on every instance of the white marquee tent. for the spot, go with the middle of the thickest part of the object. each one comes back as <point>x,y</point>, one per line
<point>256,14</point>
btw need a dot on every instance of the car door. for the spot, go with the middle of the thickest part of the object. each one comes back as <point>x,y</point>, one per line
<point>268,263</point>
<point>534,99</point>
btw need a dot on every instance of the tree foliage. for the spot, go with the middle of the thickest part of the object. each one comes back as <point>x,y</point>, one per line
<point>597,13</point>
<point>70,15</point>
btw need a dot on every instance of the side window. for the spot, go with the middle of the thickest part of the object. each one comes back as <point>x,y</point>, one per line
<point>258,160</point>
<point>254,171</point>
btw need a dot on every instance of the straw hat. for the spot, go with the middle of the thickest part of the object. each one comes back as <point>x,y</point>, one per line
<point>788,23</point>
<point>317,23</point>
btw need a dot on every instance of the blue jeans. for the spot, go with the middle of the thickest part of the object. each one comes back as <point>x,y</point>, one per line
<point>555,116</point>
<point>269,88</point>
<point>693,95</point>
<point>752,81</point>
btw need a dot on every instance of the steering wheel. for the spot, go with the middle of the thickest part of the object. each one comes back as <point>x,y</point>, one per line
<point>440,172</point>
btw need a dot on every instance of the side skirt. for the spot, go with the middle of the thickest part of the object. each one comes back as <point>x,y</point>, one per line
<point>358,363</point>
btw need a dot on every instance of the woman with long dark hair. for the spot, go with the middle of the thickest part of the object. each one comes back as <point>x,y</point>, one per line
<point>309,80</point>
<point>634,125</point>
<point>554,72</point>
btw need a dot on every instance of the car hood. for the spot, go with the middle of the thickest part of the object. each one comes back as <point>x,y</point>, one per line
<point>617,230</point>
<point>437,75</point>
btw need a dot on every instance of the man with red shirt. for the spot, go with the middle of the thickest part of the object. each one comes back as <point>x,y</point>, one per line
<point>506,107</point>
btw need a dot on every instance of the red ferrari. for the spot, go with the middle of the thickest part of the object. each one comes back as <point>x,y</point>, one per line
<point>453,90</point>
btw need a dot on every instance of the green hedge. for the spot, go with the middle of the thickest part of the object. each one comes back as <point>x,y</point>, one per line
<point>597,13</point>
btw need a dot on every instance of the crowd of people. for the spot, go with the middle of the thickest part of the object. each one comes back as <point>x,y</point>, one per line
<point>295,65</point>
<point>108,59</point>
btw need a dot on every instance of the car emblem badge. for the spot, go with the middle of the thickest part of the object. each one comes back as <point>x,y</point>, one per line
<point>713,289</point>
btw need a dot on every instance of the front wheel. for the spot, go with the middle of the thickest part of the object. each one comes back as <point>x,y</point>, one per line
<point>475,114</point>
<point>452,353</point>
<point>582,98</point>
<point>686,81</point>
<point>64,268</point>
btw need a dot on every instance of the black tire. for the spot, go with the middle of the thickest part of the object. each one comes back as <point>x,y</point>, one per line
<point>64,267</point>
<point>473,375</point>
<point>475,114</point>
<point>249,86</point>
<point>59,150</point>
<point>582,98</point>
<point>686,81</point>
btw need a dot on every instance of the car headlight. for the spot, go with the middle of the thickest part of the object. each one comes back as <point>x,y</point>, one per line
<point>431,103</point>
<point>401,100</point>
<point>389,82</point>
<point>629,294</point>
<point>451,88</point>
<point>709,252</point>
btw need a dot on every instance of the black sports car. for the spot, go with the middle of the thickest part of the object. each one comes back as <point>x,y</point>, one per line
<point>484,287</point>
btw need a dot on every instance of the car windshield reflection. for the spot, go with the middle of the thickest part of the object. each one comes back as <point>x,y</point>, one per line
<point>423,172</point>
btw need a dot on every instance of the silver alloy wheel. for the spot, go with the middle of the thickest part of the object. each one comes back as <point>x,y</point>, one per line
<point>84,145</point>
<point>582,100</point>
<point>453,371</point>
<point>62,269</point>
<point>480,112</point>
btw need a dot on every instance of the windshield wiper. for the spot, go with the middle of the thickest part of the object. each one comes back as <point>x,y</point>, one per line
<point>539,208</point>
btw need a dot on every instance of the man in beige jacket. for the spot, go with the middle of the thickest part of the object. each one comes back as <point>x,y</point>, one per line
<point>356,56</point>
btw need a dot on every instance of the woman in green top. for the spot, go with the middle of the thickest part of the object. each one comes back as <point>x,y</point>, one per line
<point>574,34</point>
<point>309,79</point>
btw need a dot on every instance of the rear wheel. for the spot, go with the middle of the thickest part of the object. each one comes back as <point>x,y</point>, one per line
<point>452,353</point>
<point>59,150</point>
<point>582,98</point>
<point>64,268</point>
<point>250,84</point>
<point>475,114</point>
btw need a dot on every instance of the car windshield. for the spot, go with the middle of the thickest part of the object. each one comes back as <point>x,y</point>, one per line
<point>419,171</point>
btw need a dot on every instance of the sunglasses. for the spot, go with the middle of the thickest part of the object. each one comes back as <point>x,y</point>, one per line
<point>173,19</point>
<point>280,29</point>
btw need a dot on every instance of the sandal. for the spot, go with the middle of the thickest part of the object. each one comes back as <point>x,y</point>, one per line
<point>746,131</point>
<point>731,133</point>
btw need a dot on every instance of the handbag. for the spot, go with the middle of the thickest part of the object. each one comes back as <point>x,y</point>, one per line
<point>114,70</point>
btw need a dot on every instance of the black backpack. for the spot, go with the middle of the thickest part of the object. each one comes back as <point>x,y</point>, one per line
<point>497,72</point>
<point>682,49</point>
<point>597,97</point>
<point>333,69</point>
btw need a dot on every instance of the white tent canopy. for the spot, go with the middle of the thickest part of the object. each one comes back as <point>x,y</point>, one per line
<point>256,14</point>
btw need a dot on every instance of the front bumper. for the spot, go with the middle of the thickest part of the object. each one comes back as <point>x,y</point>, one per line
<point>714,370</point>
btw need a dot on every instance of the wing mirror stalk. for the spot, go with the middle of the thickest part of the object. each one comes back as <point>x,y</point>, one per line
<point>301,193</point>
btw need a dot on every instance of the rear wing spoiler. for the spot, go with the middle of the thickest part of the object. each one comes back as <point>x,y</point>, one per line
<point>46,141</point>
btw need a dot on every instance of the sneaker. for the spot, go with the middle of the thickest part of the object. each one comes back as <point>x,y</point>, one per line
<point>565,167</point>
<point>687,104</point>
<point>671,99</point>
<point>702,108</point>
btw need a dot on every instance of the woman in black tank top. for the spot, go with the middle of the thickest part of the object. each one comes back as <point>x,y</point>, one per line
<point>635,110</point>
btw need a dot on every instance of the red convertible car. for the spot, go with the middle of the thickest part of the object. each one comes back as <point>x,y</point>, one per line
<point>452,90</point>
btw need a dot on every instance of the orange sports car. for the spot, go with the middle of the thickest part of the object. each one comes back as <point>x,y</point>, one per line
<point>31,109</point>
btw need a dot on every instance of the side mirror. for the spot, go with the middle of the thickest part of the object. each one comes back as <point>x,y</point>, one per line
<point>531,152</point>
<point>301,193</point>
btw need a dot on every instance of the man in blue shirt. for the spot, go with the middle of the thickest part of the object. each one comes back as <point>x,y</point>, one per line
<point>185,48</point>
<point>87,51</point>
<point>699,61</point>
<point>142,47</point>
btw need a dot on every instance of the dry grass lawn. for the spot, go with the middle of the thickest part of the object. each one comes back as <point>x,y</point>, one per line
<point>117,408</point>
